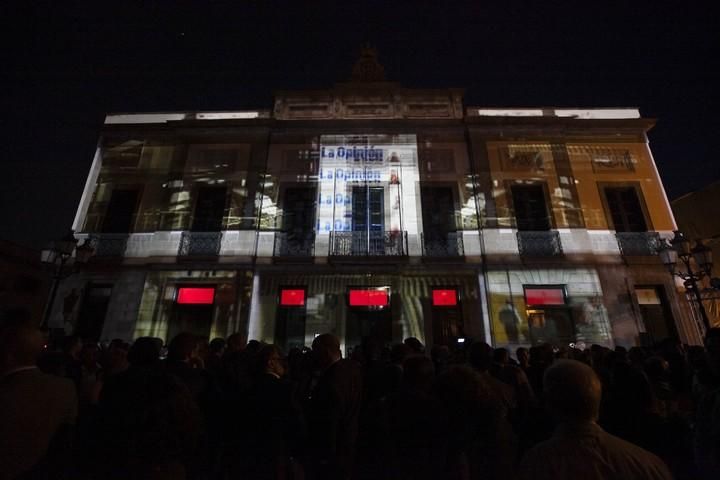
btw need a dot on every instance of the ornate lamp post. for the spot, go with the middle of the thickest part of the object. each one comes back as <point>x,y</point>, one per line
<point>679,248</point>
<point>57,255</point>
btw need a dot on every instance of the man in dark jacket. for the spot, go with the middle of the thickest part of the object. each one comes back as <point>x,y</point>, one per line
<point>333,410</point>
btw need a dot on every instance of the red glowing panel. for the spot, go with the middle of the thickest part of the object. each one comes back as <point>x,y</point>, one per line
<point>444,297</point>
<point>544,296</point>
<point>195,296</point>
<point>369,298</point>
<point>292,297</point>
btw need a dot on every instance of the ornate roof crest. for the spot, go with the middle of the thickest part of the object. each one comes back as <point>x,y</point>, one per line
<point>367,68</point>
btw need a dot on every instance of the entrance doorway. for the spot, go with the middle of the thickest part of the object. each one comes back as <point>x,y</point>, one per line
<point>655,313</point>
<point>92,312</point>
<point>194,319</point>
<point>290,328</point>
<point>375,324</point>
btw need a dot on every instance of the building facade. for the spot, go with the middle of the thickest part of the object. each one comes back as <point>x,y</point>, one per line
<point>375,210</point>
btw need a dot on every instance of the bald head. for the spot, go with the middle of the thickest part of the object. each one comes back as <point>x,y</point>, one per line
<point>572,391</point>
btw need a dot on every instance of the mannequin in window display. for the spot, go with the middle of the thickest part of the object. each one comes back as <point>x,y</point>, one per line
<point>511,321</point>
<point>536,328</point>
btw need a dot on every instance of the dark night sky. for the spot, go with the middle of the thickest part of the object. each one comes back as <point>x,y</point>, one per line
<point>65,64</point>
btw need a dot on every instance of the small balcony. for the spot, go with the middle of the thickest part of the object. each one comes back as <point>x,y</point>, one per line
<point>293,245</point>
<point>449,245</point>
<point>539,243</point>
<point>109,245</point>
<point>200,244</point>
<point>368,244</point>
<point>635,244</point>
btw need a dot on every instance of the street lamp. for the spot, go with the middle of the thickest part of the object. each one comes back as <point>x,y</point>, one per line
<point>679,248</point>
<point>57,255</point>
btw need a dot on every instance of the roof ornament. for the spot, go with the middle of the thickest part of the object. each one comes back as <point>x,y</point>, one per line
<point>367,68</point>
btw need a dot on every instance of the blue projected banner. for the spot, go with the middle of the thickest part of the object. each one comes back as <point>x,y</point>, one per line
<point>347,162</point>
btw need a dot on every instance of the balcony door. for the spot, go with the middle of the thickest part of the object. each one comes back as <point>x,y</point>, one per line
<point>625,209</point>
<point>298,220</point>
<point>439,225</point>
<point>209,209</point>
<point>531,212</point>
<point>368,220</point>
<point>120,211</point>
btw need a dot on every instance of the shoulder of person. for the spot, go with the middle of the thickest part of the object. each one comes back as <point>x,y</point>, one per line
<point>636,455</point>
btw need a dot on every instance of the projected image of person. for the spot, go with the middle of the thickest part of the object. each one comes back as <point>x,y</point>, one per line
<point>511,321</point>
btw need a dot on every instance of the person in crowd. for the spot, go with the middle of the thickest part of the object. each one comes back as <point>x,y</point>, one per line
<point>182,362</point>
<point>274,427</point>
<point>415,345</point>
<point>540,357</point>
<point>707,415</point>
<point>149,426</point>
<point>216,349</point>
<point>580,448</point>
<point>440,356</point>
<point>481,359</point>
<point>91,374</point>
<point>116,358</point>
<point>413,431</point>
<point>480,442</point>
<point>71,347</point>
<point>523,358</point>
<point>333,410</point>
<point>236,376</point>
<point>37,410</point>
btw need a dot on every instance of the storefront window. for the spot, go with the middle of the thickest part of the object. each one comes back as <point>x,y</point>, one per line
<point>529,307</point>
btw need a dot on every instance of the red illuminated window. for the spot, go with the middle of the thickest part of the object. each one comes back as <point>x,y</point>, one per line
<point>369,297</point>
<point>195,295</point>
<point>444,297</point>
<point>544,296</point>
<point>292,297</point>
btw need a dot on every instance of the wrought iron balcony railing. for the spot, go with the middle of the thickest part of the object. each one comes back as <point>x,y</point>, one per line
<point>294,245</point>
<point>539,243</point>
<point>200,244</point>
<point>109,244</point>
<point>638,243</point>
<point>449,245</point>
<point>368,243</point>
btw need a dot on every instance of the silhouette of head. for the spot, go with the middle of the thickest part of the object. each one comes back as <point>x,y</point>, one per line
<point>481,356</point>
<point>144,352</point>
<point>418,373</point>
<point>326,350</point>
<point>572,391</point>
<point>20,343</point>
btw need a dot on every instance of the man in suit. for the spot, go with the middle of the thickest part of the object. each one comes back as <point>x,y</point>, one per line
<point>37,411</point>
<point>333,410</point>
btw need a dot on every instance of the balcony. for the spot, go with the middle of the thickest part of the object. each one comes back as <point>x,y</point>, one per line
<point>294,245</point>
<point>448,246</point>
<point>634,244</point>
<point>539,243</point>
<point>200,244</point>
<point>109,245</point>
<point>368,244</point>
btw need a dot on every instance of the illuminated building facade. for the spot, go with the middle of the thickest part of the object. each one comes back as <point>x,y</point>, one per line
<point>375,210</point>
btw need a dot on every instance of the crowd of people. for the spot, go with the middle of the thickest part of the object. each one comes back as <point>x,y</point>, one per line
<point>236,409</point>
